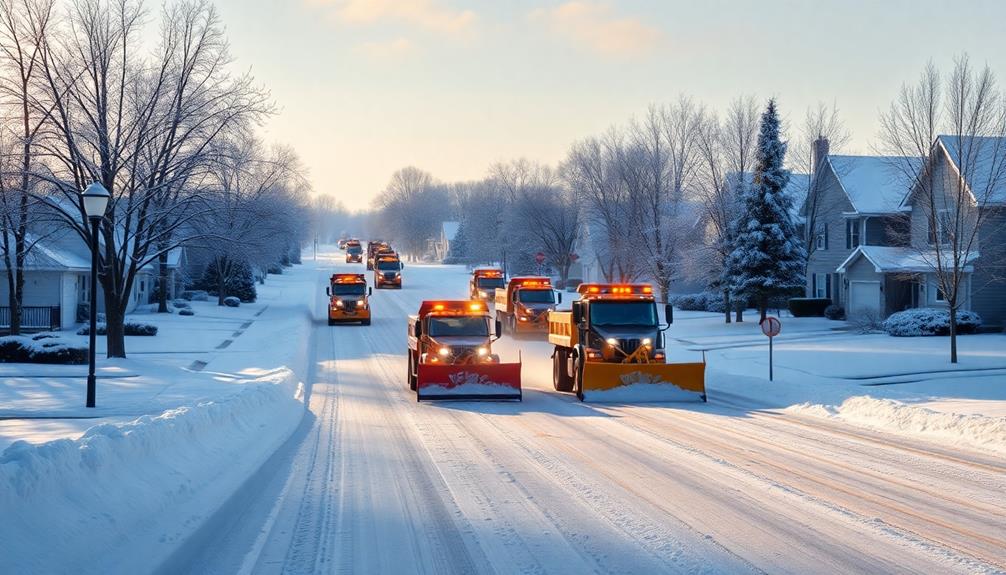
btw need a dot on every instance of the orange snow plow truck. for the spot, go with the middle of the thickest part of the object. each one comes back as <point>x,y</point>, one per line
<point>523,305</point>
<point>483,283</point>
<point>348,299</point>
<point>610,347</point>
<point>451,357</point>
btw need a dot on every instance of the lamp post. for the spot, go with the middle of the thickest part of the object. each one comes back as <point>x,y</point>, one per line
<point>95,199</point>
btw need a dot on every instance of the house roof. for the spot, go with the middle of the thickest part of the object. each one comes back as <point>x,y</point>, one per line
<point>874,184</point>
<point>66,252</point>
<point>983,161</point>
<point>450,230</point>
<point>898,259</point>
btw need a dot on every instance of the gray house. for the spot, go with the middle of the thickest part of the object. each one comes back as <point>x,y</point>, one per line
<point>873,251</point>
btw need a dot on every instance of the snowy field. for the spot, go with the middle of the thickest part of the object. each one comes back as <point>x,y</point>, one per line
<point>866,454</point>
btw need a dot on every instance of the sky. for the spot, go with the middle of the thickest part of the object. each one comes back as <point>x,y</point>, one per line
<point>365,87</point>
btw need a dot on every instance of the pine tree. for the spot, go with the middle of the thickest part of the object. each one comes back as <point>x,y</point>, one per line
<point>768,254</point>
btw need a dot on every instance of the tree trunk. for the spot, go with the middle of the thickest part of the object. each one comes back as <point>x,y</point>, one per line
<point>664,286</point>
<point>115,316</point>
<point>953,333</point>
<point>726,305</point>
<point>762,307</point>
<point>739,312</point>
<point>162,283</point>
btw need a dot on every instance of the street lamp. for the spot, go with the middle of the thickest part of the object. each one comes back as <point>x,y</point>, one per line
<point>95,199</point>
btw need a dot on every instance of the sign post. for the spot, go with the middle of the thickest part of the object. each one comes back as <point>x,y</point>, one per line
<point>539,259</point>
<point>770,326</point>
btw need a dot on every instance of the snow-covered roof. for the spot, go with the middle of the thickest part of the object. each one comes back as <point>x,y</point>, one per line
<point>874,184</point>
<point>899,259</point>
<point>984,161</point>
<point>450,230</point>
<point>64,253</point>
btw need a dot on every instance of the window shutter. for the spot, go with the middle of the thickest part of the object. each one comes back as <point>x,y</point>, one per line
<point>825,236</point>
<point>813,285</point>
<point>827,289</point>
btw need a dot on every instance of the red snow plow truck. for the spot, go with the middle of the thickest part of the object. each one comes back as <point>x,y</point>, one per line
<point>451,356</point>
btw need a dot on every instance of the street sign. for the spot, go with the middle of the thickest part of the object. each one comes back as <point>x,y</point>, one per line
<point>539,258</point>
<point>573,257</point>
<point>770,326</point>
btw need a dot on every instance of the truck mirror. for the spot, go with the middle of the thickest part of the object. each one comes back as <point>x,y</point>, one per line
<point>328,291</point>
<point>499,329</point>
<point>577,312</point>
<point>417,328</point>
<point>559,294</point>
<point>370,291</point>
<point>669,313</point>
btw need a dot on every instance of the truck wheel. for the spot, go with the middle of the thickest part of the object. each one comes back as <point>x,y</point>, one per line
<point>560,378</point>
<point>578,378</point>
<point>513,326</point>
<point>365,321</point>
<point>412,375</point>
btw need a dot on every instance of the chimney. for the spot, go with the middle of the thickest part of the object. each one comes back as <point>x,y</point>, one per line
<point>821,149</point>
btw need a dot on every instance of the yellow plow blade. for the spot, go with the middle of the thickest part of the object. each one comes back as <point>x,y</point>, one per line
<point>643,382</point>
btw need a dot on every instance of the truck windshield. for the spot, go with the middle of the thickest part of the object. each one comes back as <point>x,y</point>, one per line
<point>623,313</point>
<point>461,325</point>
<point>354,250</point>
<point>389,265</point>
<point>489,283</point>
<point>349,289</point>
<point>536,296</point>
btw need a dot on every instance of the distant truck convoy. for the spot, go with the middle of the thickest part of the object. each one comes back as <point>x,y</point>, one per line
<point>523,305</point>
<point>373,247</point>
<point>354,252</point>
<point>451,355</point>
<point>348,299</point>
<point>610,346</point>
<point>484,282</point>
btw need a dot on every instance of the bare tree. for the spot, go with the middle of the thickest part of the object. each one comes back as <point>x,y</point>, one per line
<point>411,209</point>
<point>962,117</point>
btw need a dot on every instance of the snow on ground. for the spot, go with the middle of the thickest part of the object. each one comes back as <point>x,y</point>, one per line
<point>179,425</point>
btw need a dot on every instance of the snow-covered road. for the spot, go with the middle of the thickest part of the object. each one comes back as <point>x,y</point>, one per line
<point>374,482</point>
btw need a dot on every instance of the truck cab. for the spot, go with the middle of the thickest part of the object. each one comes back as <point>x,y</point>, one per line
<point>484,282</point>
<point>348,299</point>
<point>451,355</point>
<point>523,305</point>
<point>388,270</point>
<point>354,252</point>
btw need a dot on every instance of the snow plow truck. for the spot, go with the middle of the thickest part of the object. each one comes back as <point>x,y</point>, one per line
<point>451,356</point>
<point>523,305</point>
<point>610,347</point>
<point>484,282</point>
<point>354,252</point>
<point>388,270</point>
<point>348,299</point>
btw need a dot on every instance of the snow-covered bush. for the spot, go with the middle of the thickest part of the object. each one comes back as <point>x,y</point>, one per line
<point>930,321</point>
<point>186,311</point>
<point>196,295</point>
<point>21,349</point>
<point>240,281</point>
<point>834,312</point>
<point>232,301</point>
<point>690,302</point>
<point>129,328</point>
<point>181,304</point>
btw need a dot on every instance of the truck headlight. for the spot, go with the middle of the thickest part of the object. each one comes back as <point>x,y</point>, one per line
<point>611,341</point>
<point>482,293</point>
<point>338,303</point>
<point>444,351</point>
<point>647,341</point>
<point>483,351</point>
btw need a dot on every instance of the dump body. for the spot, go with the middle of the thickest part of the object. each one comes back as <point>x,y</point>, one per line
<point>388,270</point>
<point>523,305</point>
<point>354,252</point>
<point>450,354</point>
<point>348,299</point>
<point>610,347</point>
<point>484,282</point>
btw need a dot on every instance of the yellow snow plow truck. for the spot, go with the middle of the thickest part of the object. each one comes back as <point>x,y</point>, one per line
<point>610,347</point>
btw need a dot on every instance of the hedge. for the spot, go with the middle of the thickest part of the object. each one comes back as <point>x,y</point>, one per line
<point>129,328</point>
<point>808,306</point>
<point>42,348</point>
<point>930,321</point>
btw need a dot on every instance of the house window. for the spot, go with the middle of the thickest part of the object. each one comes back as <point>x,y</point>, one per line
<point>852,233</point>
<point>821,285</point>
<point>943,226</point>
<point>821,239</point>
<point>940,296</point>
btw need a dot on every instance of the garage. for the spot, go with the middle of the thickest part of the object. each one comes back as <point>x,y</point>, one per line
<point>864,298</point>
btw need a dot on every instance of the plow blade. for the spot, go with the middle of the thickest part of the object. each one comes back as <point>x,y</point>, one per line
<point>643,382</point>
<point>481,381</point>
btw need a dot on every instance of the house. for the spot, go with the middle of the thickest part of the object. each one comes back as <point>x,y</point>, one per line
<point>57,283</point>
<point>442,244</point>
<point>873,249</point>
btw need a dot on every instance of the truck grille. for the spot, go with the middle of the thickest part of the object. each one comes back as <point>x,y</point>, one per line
<point>349,305</point>
<point>629,346</point>
<point>389,276</point>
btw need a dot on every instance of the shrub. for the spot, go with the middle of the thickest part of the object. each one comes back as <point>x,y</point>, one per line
<point>808,306</point>
<point>240,284</point>
<point>181,304</point>
<point>186,311</point>
<point>930,321</point>
<point>275,269</point>
<point>195,295</point>
<point>56,350</point>
<point>835,312</point>
<point>232,301</point>
<point>129,328</point>
<point>690,302</point>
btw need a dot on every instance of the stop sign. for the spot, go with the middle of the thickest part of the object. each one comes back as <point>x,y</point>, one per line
<point>539,257</point>
<point>573,257</point>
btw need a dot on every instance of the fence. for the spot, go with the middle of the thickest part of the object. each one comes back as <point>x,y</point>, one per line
<point>33,318</point>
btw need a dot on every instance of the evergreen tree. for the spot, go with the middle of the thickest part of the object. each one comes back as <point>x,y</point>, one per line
<point>240,282</point>
<point>459,253</point>
<point>768,254</point>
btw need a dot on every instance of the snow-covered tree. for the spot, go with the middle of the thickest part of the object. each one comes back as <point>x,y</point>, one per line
<point>768,254</point>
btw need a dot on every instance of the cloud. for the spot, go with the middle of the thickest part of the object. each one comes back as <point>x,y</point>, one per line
<point>390,50</point>
<point>595,26</point>
<point>427,14</point>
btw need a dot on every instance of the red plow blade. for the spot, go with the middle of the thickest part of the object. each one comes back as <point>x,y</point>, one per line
<point>477,381</point>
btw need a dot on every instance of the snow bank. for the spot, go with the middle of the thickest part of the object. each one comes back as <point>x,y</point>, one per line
<point>972,431</point>
<point>641,393</point>
<point>140,486</point>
